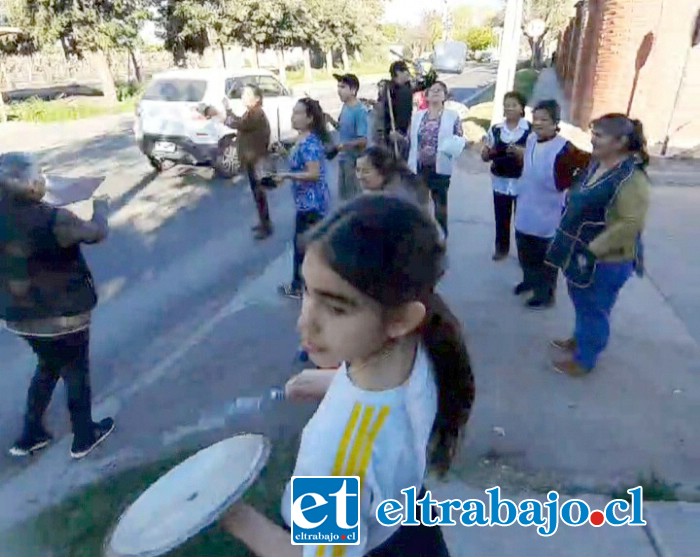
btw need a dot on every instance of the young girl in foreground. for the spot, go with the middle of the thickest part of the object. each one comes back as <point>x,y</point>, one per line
<point>406,388</point>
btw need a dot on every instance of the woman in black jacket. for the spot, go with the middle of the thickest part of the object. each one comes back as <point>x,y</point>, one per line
<point>47,295</point>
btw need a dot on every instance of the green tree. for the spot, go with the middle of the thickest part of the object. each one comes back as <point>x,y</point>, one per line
<point>394,33</point>
<point>85,28</point>
<point>479,38</point>
<point>554,13</point>
<point>185,25</point>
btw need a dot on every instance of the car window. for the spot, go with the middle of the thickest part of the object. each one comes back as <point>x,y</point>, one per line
<point>176,90</point>
<point>270,87</point>
<point>235,85</point>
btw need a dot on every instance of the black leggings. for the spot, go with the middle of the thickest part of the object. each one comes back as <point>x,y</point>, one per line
<point>65,357</point>
<point>439,185</point>
<point>259,196</point>
<point>503,208</point>
<point>537,275</point>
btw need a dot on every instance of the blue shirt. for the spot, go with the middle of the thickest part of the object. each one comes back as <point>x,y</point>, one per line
<point>352,125</point>
<point>311,196</point>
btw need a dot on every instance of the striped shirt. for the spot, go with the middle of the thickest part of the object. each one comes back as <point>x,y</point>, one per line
<point>380,436</point>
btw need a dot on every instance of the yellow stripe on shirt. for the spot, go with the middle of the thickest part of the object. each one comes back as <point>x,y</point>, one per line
<point>360,455</point>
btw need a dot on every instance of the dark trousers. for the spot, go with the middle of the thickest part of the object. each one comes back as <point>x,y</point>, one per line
<point>66,357</point>
<point>304,221</point>
<point>503,207</point>
<point>259,196</point>
<point>414,541</point>
<point>537,275</point>
<point>439,185</point>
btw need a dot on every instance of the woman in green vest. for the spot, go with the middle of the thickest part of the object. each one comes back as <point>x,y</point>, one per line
<point>598,243</point>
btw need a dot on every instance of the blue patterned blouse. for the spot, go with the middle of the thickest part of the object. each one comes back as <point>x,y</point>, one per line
<point>310,196</point>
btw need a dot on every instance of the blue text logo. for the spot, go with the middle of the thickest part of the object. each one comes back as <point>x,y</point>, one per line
<point>325,510</point>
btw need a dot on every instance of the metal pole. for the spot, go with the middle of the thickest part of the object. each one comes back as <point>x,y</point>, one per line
<point>667,137</point>
<point>508,56</point>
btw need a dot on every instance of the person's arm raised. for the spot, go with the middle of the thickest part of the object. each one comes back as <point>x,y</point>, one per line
<point>70,229</point>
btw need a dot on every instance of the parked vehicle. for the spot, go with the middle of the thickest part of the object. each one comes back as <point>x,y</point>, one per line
<point>450,56</point>
<point>170,124</point>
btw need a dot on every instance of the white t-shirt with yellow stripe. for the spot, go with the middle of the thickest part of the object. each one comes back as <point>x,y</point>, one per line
<point>380,436</point>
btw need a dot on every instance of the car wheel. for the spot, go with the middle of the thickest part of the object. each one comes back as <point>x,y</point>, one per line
<point>227,164</point>
<point>157,164</point>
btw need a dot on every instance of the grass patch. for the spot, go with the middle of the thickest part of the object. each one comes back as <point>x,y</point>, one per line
<point>41,111</point>
<point>38,111</point>
<point>654,489</point>
<point>78,527</point>
<point>479,120</point>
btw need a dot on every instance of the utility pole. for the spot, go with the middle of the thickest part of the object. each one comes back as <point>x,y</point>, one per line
<point>508,55</point>
<point>694,42</point>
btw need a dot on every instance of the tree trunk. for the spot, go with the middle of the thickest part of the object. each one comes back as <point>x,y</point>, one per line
<point>329,60</point>
<point>223,54</point>
<point>282,65</point>
<point>257,56</point>
<point>109,89</point>
<point>135,64</point>
<point>179,56</point>
<point>3,112</point>
<point>358,56</point>
<point>346,60</point>
<point>308,74</point>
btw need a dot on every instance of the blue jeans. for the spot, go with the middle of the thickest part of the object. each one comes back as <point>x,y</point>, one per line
<point>593,306</point>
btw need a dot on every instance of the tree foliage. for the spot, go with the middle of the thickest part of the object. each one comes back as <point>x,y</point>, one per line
<point>554,13</point>
<point>83,26</point>
<point>479,38</point>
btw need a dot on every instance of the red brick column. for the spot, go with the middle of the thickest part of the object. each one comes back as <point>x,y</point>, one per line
<point>623,26</point>
<point>577,24</point>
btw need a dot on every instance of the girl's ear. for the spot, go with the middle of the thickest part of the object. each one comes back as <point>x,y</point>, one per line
<point>405,320</point>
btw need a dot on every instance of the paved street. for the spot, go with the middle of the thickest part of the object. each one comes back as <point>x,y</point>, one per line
<point>179,251</point>
<point>190,319</point>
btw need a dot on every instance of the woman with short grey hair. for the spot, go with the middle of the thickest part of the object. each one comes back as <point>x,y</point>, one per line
<point>47,295</point>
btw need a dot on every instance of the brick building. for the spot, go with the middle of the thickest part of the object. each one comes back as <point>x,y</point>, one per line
<point>628,56</point>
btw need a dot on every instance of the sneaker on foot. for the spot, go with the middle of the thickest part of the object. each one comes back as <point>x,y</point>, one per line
<point>30,443</point>
<point>290,291</point>
<point>499,256</point>
<point>81,449</point>
<point>567,344</point>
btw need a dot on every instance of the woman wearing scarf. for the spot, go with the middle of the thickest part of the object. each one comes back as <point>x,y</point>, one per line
<point>598,242</point>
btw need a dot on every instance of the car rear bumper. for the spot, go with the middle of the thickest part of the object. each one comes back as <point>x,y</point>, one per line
<point>184,150</point>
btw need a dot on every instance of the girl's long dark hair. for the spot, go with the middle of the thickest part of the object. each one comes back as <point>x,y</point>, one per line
<point>318,118</point>
<point>390,250</point>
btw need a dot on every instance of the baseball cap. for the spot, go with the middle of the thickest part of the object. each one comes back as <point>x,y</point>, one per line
<point>348,79</point>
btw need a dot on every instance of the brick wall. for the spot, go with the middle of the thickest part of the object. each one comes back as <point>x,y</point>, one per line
<point>604,42</point>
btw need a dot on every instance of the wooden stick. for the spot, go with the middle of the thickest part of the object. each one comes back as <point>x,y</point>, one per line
<point>392,119</point>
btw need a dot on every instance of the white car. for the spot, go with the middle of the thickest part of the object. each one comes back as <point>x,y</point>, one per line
<point>170,126</point>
